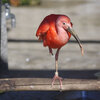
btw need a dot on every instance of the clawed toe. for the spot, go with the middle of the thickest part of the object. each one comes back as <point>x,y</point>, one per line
<point>57,78</point>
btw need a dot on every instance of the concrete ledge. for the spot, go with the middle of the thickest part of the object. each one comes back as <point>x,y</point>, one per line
<point>44,84</point>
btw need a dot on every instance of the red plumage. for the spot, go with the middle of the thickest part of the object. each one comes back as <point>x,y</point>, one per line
<point>48,32</point>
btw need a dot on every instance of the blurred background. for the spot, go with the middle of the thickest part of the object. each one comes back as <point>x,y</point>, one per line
<point>26,55</point>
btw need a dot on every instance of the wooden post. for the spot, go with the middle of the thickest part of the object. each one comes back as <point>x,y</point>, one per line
<point>3,43</point>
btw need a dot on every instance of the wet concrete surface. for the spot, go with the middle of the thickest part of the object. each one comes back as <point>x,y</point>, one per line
<point>34,56</point>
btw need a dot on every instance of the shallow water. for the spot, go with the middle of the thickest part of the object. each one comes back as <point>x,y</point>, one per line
<point>47,95</point>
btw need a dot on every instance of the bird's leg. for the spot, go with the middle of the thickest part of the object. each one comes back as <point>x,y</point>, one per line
<point>56,76</point>
<point>50,51</point>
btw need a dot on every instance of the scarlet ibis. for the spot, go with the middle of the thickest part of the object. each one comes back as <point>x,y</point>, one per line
<point>55,31</point>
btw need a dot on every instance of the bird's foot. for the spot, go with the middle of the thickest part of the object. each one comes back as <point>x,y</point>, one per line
<point>56,77</point>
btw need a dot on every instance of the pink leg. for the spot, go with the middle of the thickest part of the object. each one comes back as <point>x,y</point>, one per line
<point>56,76</point>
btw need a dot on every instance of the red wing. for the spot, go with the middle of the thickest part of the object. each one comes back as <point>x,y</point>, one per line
<point>42,30</point>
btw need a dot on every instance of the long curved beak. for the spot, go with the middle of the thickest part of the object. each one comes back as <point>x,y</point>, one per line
<point>77,38</point>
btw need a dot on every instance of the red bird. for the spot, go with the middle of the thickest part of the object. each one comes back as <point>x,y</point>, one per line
<point>55,31</point>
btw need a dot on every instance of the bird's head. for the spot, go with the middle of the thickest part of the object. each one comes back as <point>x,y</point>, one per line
<point>64,22</point>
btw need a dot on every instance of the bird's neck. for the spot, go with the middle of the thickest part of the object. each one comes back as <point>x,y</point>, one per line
<point>62,34</point>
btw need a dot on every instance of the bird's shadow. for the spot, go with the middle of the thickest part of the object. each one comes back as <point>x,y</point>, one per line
<point>70,74</point>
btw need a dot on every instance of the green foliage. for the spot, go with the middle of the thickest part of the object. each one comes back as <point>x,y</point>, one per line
<point>29,2</point>
<point>5,1</point>
<point>1,91</point>
<point>24,2</point>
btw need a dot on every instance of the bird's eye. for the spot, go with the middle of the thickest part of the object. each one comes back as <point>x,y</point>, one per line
<point>64,23</point>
